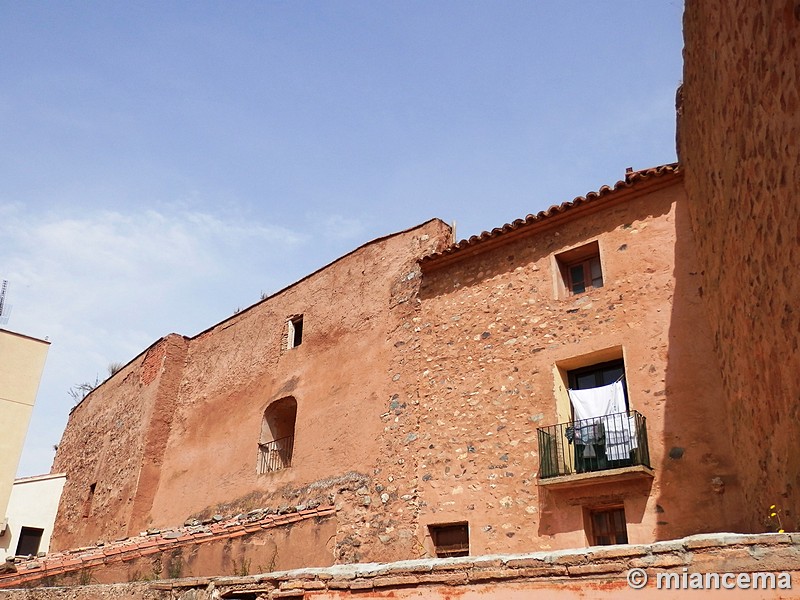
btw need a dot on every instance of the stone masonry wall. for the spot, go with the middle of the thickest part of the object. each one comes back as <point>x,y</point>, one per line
<point>492,332</point>
<point>739,143</point>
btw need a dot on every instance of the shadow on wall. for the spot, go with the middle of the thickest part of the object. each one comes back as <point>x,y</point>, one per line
<point>739,127</point>
<point>697,448</point>
<point>554,520</point>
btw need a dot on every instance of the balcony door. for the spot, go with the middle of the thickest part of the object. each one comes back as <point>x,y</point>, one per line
<point>599,375</point>
<point>595,376</point>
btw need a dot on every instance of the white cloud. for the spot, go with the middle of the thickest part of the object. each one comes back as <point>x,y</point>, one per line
<point>103,286</point>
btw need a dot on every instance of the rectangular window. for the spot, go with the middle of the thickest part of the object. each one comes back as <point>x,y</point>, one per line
<point>451,539</point>
<point>608,526</point>
<point>580,269</point>
<point>295,332</point>
<point>29,540</point>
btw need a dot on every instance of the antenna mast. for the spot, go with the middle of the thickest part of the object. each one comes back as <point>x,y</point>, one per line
<point>3,309</point>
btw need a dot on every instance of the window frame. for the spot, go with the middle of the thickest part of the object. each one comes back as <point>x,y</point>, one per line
<point>611,534</point>
<point>294,332</point>
<point>584,257</point>
<point>573,376</point>
<point>441,550</point>
<point>277,438</point>
<point>26,536</point>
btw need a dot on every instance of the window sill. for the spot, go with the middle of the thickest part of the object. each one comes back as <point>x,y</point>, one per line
<point>579,480</point>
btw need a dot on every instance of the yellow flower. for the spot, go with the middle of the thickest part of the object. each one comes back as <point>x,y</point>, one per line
<point>773,514</point>
<point>772,507</point>
<point>780,531</point>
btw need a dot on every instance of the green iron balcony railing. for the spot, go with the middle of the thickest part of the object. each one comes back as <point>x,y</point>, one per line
<point>593,445</point>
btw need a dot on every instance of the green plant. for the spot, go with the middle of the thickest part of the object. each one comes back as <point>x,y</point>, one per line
<point>773,521</point>
<point>243,568</point>
<point>175,566</point>
<point>84,577</point>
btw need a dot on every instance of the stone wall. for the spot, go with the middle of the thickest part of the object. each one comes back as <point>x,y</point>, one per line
<point>739,144</point>
<point>420,389</point>
<point>110,437</point>
<point>496,338</point>
<point>259,541</point>
<point>567,575</point>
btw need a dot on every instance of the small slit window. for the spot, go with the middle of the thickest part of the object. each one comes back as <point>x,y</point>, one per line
<point>608,526</point>
<point>450,540</point>
<point>580,269</point>
<point>295,332</point>
<point>87,504</point>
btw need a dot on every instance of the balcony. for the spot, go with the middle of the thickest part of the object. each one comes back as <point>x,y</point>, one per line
<point>609,448</point>
<point>275,455</point>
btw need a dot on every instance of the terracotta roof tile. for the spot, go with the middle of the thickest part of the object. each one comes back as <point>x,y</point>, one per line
<point>631,179</point>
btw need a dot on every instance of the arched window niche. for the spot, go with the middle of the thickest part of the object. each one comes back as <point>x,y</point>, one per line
<point>276,442</point>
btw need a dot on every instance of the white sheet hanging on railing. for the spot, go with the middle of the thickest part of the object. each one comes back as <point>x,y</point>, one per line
<point>598,402</point>
<point>606,404</point>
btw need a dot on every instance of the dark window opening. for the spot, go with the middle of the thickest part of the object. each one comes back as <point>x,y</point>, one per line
<point>580,269</point>
<point>87,505</point>
<point>276,444</point>
<point>295,332</point>
<point>608,526</point>
<point>598,375</point>
<point>29,540</point>
<point>450,540</point>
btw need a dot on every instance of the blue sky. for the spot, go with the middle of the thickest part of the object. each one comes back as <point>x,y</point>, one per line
<point>163,163</point>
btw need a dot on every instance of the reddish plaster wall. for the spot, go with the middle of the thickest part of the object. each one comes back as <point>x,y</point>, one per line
<point>739,142</point>
<point>175,433</point>
<point>303,544</point>
<point>260,541</point>
<point>419,405</point>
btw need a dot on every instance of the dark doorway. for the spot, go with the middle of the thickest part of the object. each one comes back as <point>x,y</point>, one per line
<point>29,540</point>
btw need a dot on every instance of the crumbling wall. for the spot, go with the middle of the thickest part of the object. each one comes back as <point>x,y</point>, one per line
<point>109,437</point>
<point>339,377</point>
<point>262,540</point>
<point>739,143</point>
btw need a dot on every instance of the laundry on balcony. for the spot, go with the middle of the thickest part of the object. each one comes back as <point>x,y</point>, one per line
<point>599,401</point>
<point>596,444</point>
<point>604,407</point>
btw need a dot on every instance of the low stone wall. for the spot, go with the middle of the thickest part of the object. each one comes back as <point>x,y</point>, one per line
<point>261,540</point>
<point>600,572</point>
